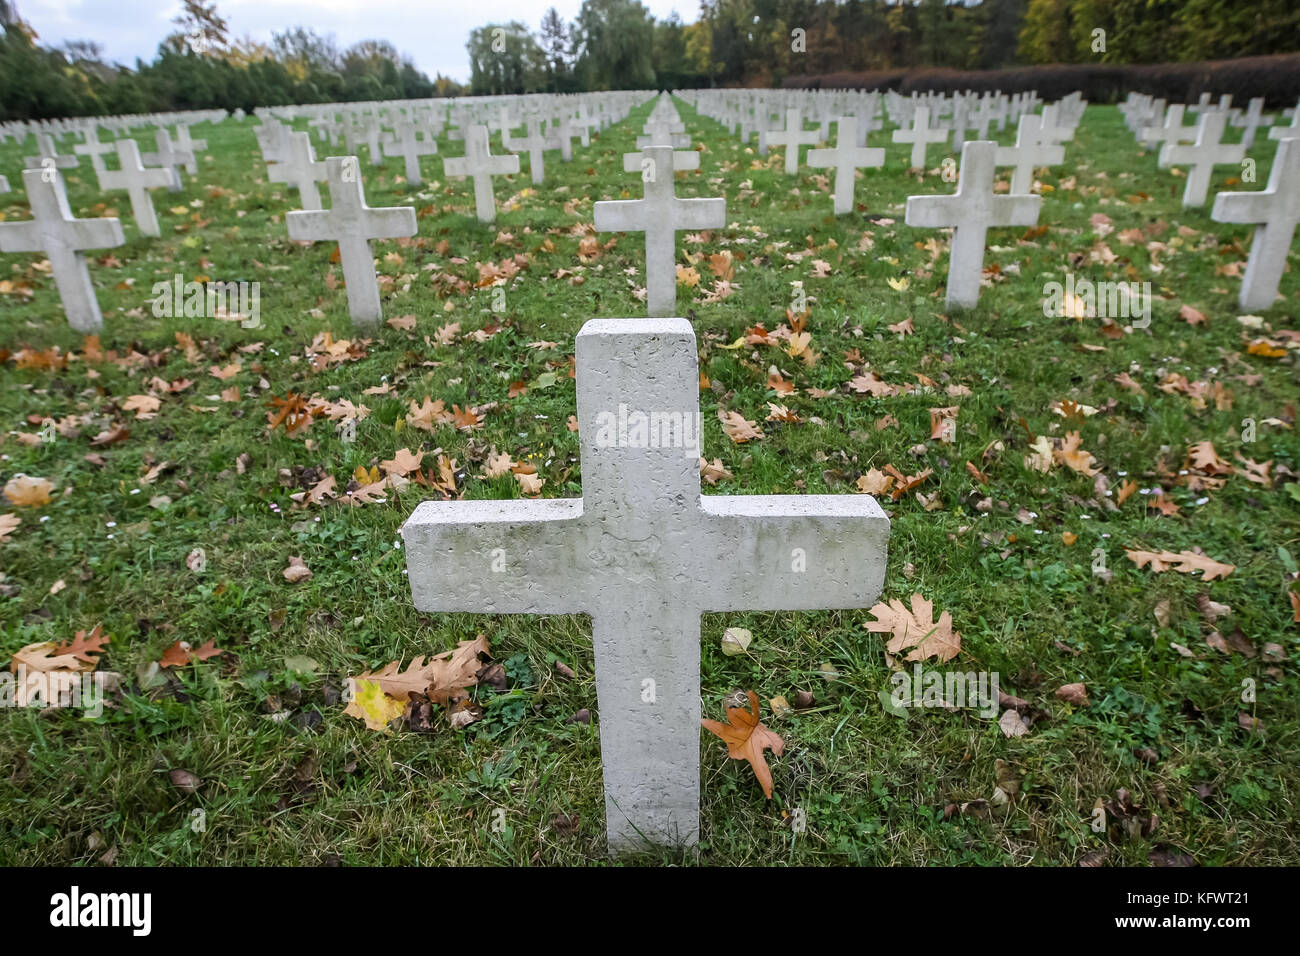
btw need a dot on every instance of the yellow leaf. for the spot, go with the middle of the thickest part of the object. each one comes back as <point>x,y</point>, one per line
<point>371,704</point>
<point>898,285</point>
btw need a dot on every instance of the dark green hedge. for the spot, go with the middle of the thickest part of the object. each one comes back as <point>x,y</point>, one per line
<point>1276,78</point>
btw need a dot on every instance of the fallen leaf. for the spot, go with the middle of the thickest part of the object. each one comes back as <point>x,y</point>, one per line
<point>916,629</point>
<point>746,739</point>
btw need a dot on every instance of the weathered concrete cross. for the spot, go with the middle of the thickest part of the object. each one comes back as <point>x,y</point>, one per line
<point>660,215</point>
<point>479,163</point>
<point>1202,156</point>
<point>300,170</point>
<point>844,159</point>
<point>644,553</point>
<point>1277,210</point>
<point>169,155</point>
<point>407,144</point>
<point>54,231</point>
<point>792,137</point>
<point>972,209</point>
<point>49,156</point>
<point>95,148</point>
<point>920,135</point>
<point>535,145</point>
<point>352,224</point>
<point>1029,152</point>
<point>137,180</point>
<point>1171,130</point>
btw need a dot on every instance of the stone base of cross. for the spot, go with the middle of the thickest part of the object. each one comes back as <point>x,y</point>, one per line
<point>644,553</point>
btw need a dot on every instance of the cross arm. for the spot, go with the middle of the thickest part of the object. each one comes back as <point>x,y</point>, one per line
<point>794,552</point>
<point>619,215</point>
<point>1250,207</point>
<point>1015,210</point>
<point>930,212</point>
<point>699,213</point>
<point>496,557</point>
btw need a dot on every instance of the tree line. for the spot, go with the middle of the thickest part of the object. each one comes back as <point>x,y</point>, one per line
<point>617,44</point>
<point>199,66</point>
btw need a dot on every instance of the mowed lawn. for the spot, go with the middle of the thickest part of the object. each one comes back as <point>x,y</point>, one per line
<point>285,777</point>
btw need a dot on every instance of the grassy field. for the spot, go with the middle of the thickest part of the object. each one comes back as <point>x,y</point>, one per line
<point>284,777</point>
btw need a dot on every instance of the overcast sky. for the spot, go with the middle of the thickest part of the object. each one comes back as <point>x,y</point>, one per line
<point>431,32</point>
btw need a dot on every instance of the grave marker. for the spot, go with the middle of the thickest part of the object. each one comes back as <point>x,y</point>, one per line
<point>660,215</point>
<point>300,170</point>
<point>972,210</point>
<point>479,163</point>
<point>53,230</point>
<point>1277,210</point>
<point>644,553</point>
<point>845,158</point>
<point>137,180</point>
<point>352,224</point>
<point>1202,156</point>
<point>920,136</point>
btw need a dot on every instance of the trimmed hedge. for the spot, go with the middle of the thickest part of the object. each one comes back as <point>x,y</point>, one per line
<point>1276,78</point>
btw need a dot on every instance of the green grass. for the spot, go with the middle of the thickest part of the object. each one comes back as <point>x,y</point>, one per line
<point>319,787</point>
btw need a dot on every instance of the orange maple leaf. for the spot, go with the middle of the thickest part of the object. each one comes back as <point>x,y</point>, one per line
<point>747,738</point>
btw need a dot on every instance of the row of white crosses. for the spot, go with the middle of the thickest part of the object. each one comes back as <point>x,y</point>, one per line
<point>639,551</point>
<point>1199,148</point>
<point>62,237</point>
<point>660,214</point>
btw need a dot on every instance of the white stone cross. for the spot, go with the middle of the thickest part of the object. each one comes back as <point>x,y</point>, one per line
<point>407,144</point>
<point>1251,120</point>
<point>4,184</point>
<point>972,209</point>
<point>300,170</point>
<point>560,135</point>
<point>95,148</point>
<point>1172,130</point>
<point>1277,210</point>
<point>352,224</point>
<point>1202,156</point>
<point>684,160</point>
<point>535,144</point>
<point>137,180</point>
<point>1280,132</point>
<point>47,151</point>
<point>187,144</point>
<point>170,156</point>
<point>53,230</point>
<point>644,553</point>
<point>792,137</point>
<point>1028,153</point>
<point>920,136</point>
<point>479,163</point>
<point>844,159</point>
<point>660,215</point>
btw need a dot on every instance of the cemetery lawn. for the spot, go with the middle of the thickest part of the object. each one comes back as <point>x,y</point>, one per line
<point>284,777</point>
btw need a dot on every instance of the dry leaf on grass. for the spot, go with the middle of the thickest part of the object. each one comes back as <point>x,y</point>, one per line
<point>746,738</point>
<point>297,570</point>
<point>916,629</point>
<point>1185,562</point>
<point>24,491</point>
